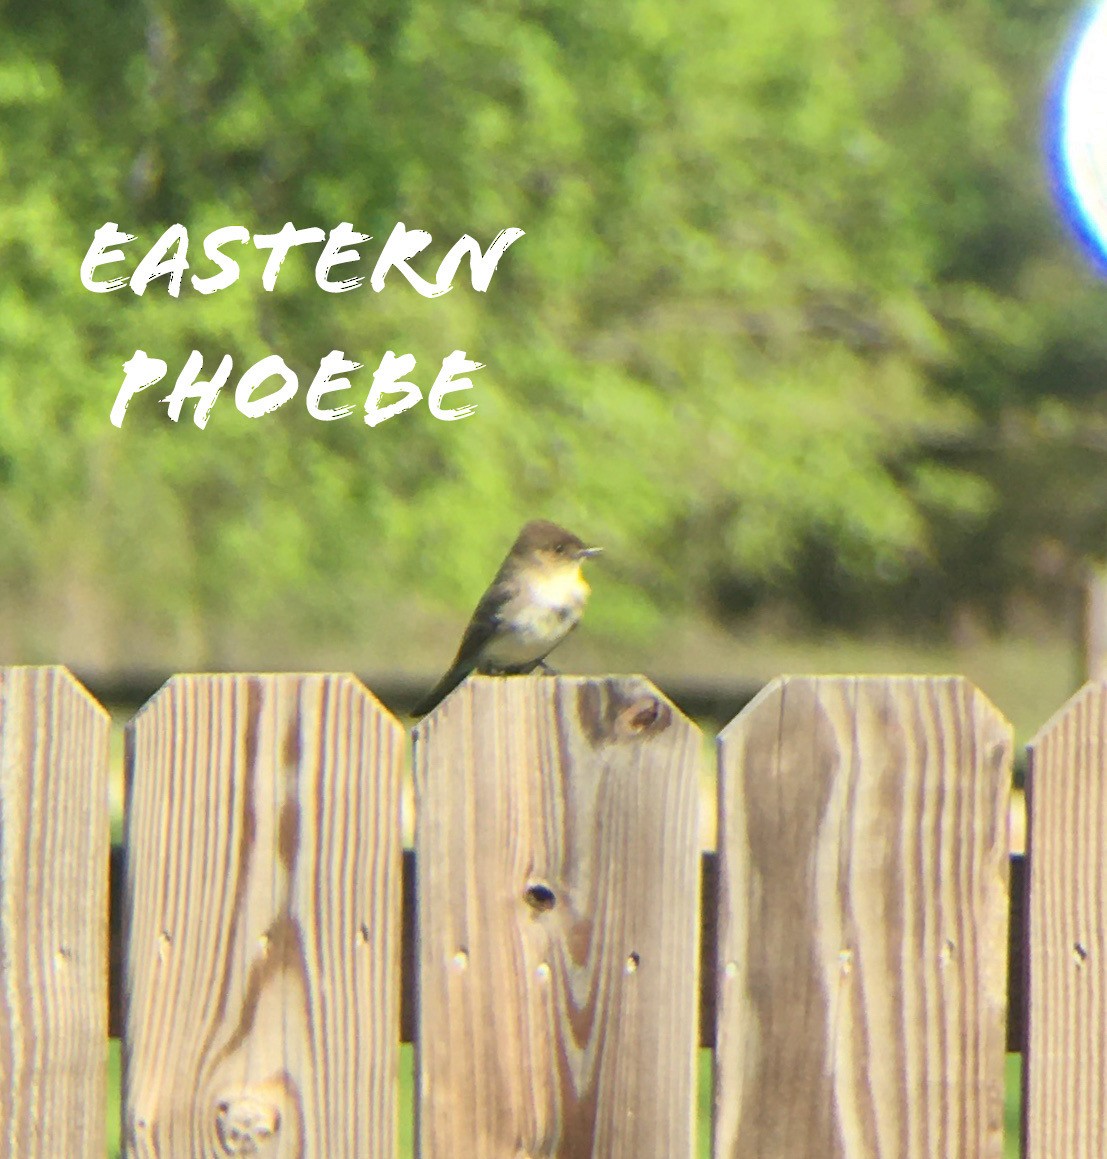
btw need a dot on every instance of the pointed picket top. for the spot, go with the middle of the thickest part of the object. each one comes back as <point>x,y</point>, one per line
<point>1065,1063</point>
<point>543,685</point>
<point>1090,689</point>
<point>978,700</point>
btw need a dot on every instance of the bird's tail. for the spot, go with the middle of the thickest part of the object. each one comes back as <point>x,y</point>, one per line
<point>442,689</point>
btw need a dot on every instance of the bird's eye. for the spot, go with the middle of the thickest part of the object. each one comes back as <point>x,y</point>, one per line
<point>562,548</point>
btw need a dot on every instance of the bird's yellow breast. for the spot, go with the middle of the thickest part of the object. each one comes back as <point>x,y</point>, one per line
<point>564,587</point>
<point>546,609</point>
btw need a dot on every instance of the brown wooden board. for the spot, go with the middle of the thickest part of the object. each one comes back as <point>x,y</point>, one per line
<point>557,840</point>
<point>263,920</point>
<point>861,954</point>
<point>1065,1068</point>
<point>54,841</point>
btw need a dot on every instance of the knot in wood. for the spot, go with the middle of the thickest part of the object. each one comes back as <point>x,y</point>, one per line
<point>245,1124</point>
<point>540,897</point>
<point>645,715</point>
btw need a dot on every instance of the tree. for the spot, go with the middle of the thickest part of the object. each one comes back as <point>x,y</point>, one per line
<point>777,266</point>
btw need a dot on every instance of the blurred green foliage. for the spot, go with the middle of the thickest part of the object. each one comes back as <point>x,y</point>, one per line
<point>792,321</point>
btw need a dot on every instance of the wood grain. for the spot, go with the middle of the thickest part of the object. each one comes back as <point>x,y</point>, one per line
<point>708,917</point>
<point>861,964</point>
<point>54,842</point>
<point>1065,1069</point>
<point>557,842</point>
<point>263,920</point>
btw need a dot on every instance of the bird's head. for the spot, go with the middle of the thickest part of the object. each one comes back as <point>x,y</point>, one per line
<point>551,546</point>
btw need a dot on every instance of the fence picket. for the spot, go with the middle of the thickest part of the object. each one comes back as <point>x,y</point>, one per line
<point>557,844</point>
<point>54,841</point>
<point>863,862</point>
<point>1065,1068</point>
<point>853,923</point>
<point>262,912</point>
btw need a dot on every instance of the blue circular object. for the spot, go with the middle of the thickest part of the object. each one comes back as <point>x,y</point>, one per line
<point>1078,137</point>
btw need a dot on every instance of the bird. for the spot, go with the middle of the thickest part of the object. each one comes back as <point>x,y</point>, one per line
<point>535,600</point>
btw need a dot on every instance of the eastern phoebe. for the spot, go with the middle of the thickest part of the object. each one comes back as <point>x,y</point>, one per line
<point>534,602</point>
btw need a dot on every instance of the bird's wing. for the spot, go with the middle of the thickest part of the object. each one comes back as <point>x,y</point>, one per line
<point>482,627</point>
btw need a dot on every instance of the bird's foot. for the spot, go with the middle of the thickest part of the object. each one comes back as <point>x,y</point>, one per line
<point>545,669</point>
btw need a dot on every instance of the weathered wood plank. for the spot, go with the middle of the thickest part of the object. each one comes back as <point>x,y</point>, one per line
<point>54,841</point>
<point>557,838</point>
<point>863,861</point>
<point>1065,1070</point>
<point>263,932</point>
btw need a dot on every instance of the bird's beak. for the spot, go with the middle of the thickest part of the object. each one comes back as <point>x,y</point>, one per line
<point>588,552</point>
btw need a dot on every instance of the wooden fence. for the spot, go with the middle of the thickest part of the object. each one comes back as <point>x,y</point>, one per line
<point>856,952</point>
